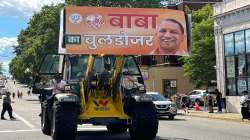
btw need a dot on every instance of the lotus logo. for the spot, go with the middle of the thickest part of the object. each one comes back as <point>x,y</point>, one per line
<point>75,18</point>
<point>94,21</point>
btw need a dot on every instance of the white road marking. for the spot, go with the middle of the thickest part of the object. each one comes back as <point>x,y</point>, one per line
<point>36,130</point>
<point>90,129</point>
<point>24,121</point>
<point>15,131</point>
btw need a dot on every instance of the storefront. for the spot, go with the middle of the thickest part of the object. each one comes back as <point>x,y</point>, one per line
<point>232,42</point>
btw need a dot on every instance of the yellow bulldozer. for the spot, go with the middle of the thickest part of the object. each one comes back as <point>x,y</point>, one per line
<point>103,84</point>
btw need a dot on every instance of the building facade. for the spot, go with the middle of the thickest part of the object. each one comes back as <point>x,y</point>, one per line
<point>167,80</point>
<point>232,45</point>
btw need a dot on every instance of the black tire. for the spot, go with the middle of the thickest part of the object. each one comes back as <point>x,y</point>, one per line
<point>45,122</point>
<point>117,128</point>
<point>64,121</point>
<point>171,117</point>
<point>144,122</point>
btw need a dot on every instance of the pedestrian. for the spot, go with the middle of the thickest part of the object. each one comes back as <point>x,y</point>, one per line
<point>210,104</point>
<point>7,106</point>
<point>14,82</point>
<point>13,95</point>
<point>218,100</point>
<point>185,104</point>
<point>28,92</point>
<point>58,84</point>
<point>244,106</point>
<point>18,94</point>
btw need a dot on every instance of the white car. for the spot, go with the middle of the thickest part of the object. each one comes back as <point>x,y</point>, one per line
<point>197,96</point>
<point>164,106</point>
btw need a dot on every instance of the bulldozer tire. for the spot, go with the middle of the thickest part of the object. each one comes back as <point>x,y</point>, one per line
<point>64,122</point>
<point>117,128</point>
<point>45,122</point>
<point>144,124</point>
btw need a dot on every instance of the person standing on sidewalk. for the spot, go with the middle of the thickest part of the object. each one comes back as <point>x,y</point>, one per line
<point>7,106</point>
<point>244,106</point>
<point>185,104</point>
<point>210,104</point>
<point>218,100</point>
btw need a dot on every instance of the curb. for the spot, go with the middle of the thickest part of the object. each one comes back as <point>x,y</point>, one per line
<point>217,118</point>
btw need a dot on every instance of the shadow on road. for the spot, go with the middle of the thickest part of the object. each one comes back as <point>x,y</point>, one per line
<point>32,100</point>
<point>166,138</point>
<point>101,135</point>
<point>167,119</point>
<point>15,120</point>
<point>104,135</point>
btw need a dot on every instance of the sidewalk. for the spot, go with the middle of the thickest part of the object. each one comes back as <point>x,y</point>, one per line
<point>221,116</point>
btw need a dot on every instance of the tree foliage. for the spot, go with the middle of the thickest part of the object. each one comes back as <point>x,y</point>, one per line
<point>117,3</point>
<point>39,38</point>
<point>199,67</point>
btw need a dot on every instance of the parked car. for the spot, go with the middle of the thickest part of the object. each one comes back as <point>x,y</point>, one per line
<point>164,106</point>
<point>180,97</point>
<point>197,96</point>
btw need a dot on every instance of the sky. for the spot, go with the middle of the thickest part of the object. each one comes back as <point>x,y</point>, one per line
<point>14,16</point>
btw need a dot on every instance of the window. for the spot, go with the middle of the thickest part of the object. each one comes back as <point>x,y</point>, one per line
<point>248,65</point>
<point>130,66</point>
<point>248,83</point>
<point>230,67</point>
<point>103,64</point>
<point>247,34</point>
<point>78,66</point>
<point>241,84</point>
<point>231,88</point>
<point>237,62</point>
<point>50,64</point>
<point>239,42</point>
<point>241,66</point>
<point>229,44</point>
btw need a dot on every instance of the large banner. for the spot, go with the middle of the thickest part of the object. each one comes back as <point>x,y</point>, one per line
<point>124,31</point>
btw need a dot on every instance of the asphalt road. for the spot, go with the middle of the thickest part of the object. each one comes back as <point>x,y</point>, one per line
<point>27,125</point>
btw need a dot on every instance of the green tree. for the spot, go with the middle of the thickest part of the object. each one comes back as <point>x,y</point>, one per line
<point>117,3</point>
<point>199,67</point>
<point>39,38</point>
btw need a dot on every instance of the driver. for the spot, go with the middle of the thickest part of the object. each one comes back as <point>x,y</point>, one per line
<point>58,84</point>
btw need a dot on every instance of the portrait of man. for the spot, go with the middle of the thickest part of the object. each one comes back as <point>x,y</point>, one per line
<point>170,34</point>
